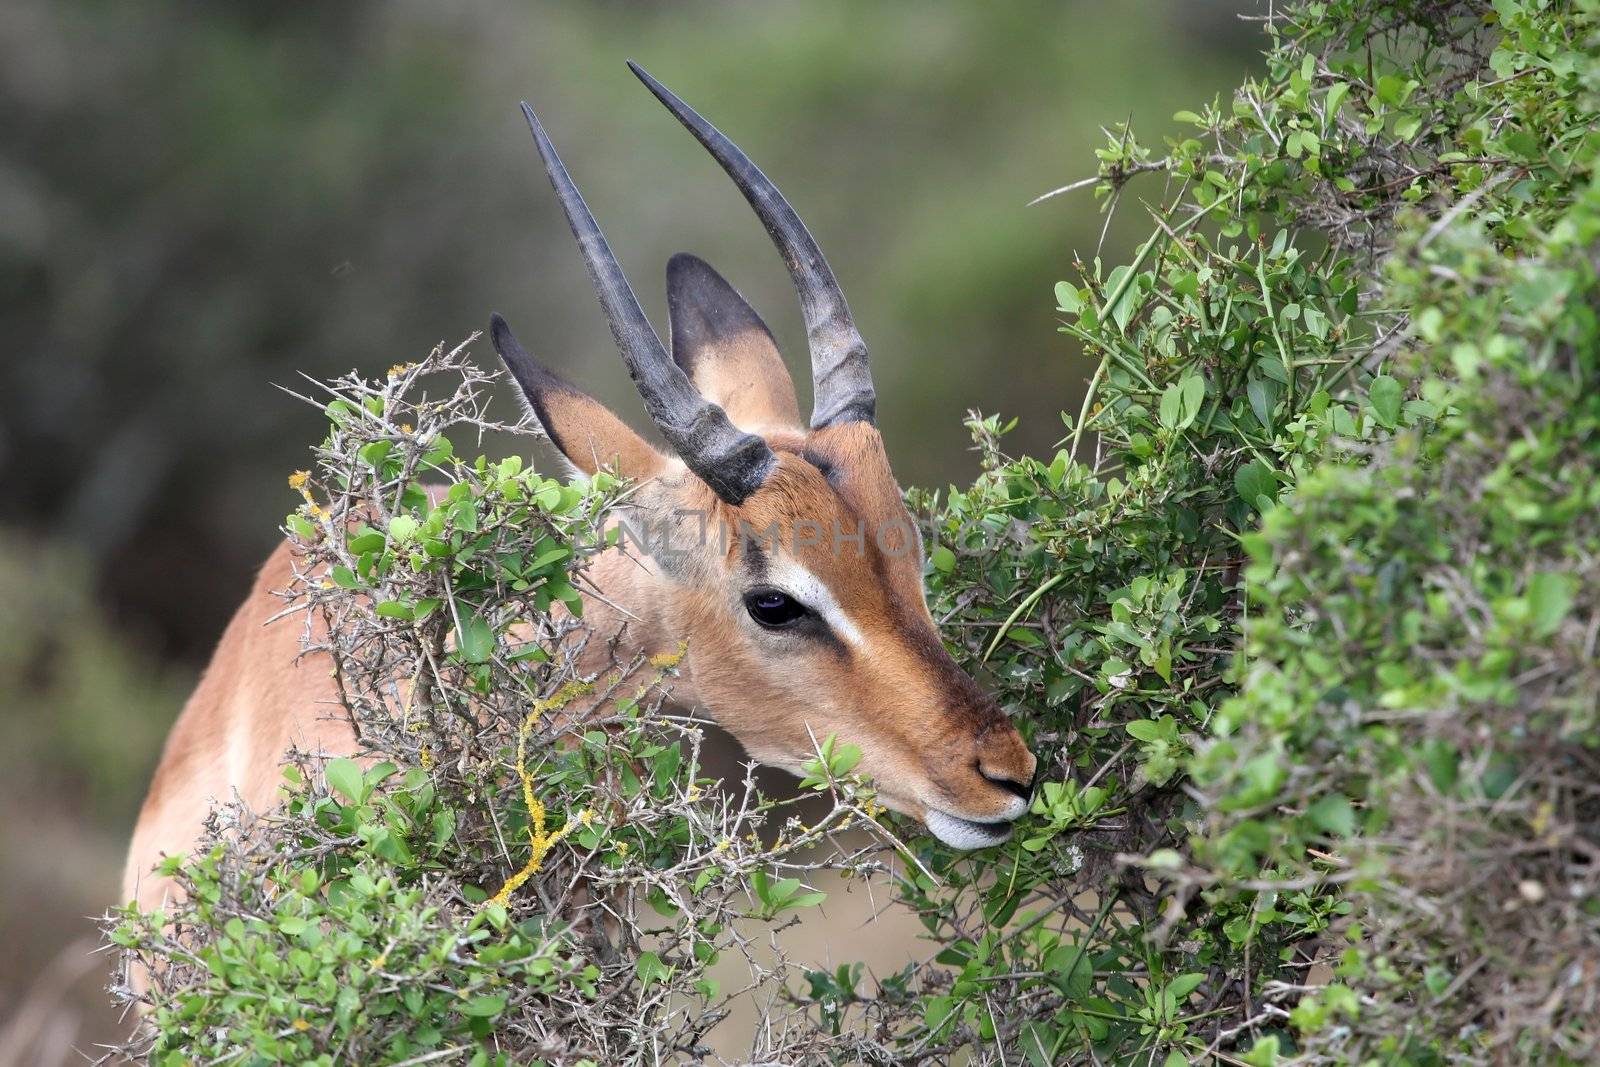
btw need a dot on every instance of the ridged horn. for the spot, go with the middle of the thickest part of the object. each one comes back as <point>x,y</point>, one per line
<point>732,462</point>
<point>840,374</point>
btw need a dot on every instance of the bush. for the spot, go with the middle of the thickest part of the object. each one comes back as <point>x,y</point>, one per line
<point>503,879</point>
<point>1301,621</point>
<point>1394,323</point>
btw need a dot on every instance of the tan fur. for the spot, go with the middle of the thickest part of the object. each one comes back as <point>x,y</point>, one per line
<point>592,437</point>
<point>745,375</point>
<point>258,697</point>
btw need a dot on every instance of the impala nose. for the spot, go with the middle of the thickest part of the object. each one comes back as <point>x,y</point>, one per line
<point>1003,760</point>
<point>1024,790</point>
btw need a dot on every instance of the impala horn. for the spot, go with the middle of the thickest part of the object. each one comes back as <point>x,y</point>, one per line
<point>841,379</point>
<point>732,462</point>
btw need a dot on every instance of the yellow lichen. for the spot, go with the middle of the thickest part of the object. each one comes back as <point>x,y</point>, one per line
<point>540,839</point>
<point>663,661</point>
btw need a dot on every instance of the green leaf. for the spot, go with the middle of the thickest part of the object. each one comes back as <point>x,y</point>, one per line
<point>402,528</point>
<point>1070,970</point>
<point>475,638</point>
<point>545,559</point>
<point>1315,322</point>
<point>1129,301</point>
<point>1144,730</point>
<point>1165,859</point>
<point>1024,636</point>
<point>1039,1041</point>
<point>439,450</point>
<point>375,453</point>
<point>344,577</point>
<point>1263,394</point>
<point>484,1006</point>
<point>345,778</point>
<point>1395,89</point>
<point>1385,394</point>
<point>1255,480</point>
<point>943,560</point>
<point>651,969</point>
<point>390,846</point>
<point>1181,402</point>
<point>367,540</point>
<point>1068,299</point>
<point>1261,777</point>
<point>844,760</point>
<point>1334,814</point>
<point>1171,406</point>
<point>1335,97</point>
<point>1550,595</point>
<point>1194,397</point>
<point>1264,1053</point>
<point>1181,986</point>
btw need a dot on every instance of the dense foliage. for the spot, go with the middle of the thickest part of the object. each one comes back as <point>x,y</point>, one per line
<point>1382,340</point>
<point>1302,620</point>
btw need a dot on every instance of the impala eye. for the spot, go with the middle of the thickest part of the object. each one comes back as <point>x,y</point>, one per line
<point>772,608</point>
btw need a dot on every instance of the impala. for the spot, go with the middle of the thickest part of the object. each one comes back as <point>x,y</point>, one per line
<point>790,638</point>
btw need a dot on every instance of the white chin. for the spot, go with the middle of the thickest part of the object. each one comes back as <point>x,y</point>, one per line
<point>964,833</point>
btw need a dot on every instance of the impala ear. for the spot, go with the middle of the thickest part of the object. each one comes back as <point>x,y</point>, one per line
<point>582,429</point>
<point>725,348</point>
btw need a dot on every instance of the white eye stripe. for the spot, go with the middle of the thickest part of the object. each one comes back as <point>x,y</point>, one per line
<point>789,576</point>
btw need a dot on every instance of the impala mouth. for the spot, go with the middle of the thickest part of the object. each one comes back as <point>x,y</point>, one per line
<point>966,833</point>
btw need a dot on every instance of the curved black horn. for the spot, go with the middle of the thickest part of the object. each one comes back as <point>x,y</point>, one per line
<point>840,375</point>
<point>733,463</point>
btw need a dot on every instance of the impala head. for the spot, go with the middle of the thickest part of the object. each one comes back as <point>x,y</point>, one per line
<point>784,552</point>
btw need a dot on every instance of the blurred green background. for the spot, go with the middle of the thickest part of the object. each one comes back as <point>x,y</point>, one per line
<point>198,200</point>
